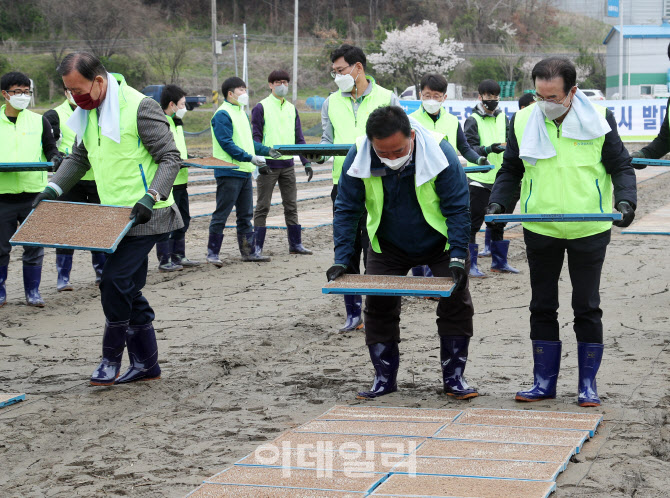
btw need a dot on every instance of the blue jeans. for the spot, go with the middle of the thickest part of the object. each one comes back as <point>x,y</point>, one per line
<point>233,191</point>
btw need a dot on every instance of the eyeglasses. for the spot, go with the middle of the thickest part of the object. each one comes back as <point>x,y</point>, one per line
<point>337,71</point>
<point>280,82</point>
<point>20,92</point>
<point>552,101</point>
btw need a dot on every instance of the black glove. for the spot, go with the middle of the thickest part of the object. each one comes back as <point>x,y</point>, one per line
<point>494,208</point>
<point>264,170</point>
<point>459,275</point>
<point>275,154</point>
<point>494,148</point>
<point>638,154</point>
<point>309,171</point>
<point>48,194</point>
<point>628,214</point>
<point>335,271</point>
<point>57,159</point>
<point>142,210</point>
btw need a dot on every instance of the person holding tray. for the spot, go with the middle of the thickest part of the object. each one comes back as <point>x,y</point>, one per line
<point>569,158</point>
<point>25,137</point>
<point>84,191</point>
<point>416,195</point>
<point>125,138</point>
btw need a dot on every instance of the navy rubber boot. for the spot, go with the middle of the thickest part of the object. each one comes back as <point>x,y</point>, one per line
<point>113,342</point>
<point>164,253</point>
<point>3,289</point>
<point>259,240</point>
<point>427,271</point>
<point>295,240</point>
<point>385,360</point>
<point>417,271</point>
<point>453,357</point>
<point>32,276</point>
<point>98,260</point>
<point>353,305</point>
<point>63,267</point>
<point>589,356</point>
<point>486,252</point>
<point>475,272</point>
<point>248,248</point>
<point>142,353</point>
<point>499,249</point>
<point>179,254</point>
<point>213,248</point>
<point>547,364</point>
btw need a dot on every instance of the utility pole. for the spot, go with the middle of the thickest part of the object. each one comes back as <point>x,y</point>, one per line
<point>621,49</point>
<point>244,54</point>
<point>215,69</point>
<point>295,53</point>
<point>235,52</point>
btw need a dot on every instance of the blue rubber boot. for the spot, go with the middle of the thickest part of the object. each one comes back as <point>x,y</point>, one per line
<point>547,364</point>
<point>248,248</point>
<point>353,305</point>
<point>259,240</point>
<point>499,263</point>
<point>417,271</point>
<point>3,289</point>
<point>589,356</point>
<point>385,360</point>
<point>295,240</point>
<point>213,248</point>
<point>98,260</point>
<point>164,253</point>
<point>32,276</point>
<point>486,252</point>
<point>453,357</point>
<point>113,343</point>
<point>63,267</point>
<point>179,254</point>
<point>427,271</point>
<point>475,272</point>
<point>142,353</point>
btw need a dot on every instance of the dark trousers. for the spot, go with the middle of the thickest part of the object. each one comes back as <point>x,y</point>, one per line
<point>361,243</point>
<point>83,191</point>
<point>382,313</point>
<point>12,214</point>
<point>265,184</point>
<point>123,277</point>
<point>479,199</point>
<point>233,191</point>
<point>180,194</point>
<point>585,262</point>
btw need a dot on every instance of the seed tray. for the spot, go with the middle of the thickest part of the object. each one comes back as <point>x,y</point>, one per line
<point>322,149</point>
<point>23,167</point>
<point>391,414</point>
<point>7,399</point>
<point>549,218</point>
<point>650,162</point>
<point>655,223</point>
<point>246,491</point>
<point>385,285</point>
<point>74,225</point>
<point>414,429</point>
<point>356,442</point>
<point>478,169</point>
<point>209,163</point>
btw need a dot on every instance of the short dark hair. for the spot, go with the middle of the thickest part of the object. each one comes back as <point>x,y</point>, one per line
<point>231,84</point>
<point>668,50</point>
<point>386,121</point>
<point>350,53</point>
<point>489,87</point>
<point>525,100</point>
<point>553,67</point>
<point>278,75</point>
<point>14,79</point>
<point>171,93</point>
<point>86,64</point>
<point>435,82</point>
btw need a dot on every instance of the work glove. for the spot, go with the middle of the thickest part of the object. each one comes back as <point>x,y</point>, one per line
<point>309,171</point>
<point>264,170</point>
<point>315,158</point>
<point>142,210</point>
<point>482,161</point>
<point>638,154</point>
<point>459,275</point>
<point>57,159</point>
<point>494,208</point>
<point>48,194</point>
<point>258,161</point>
<point>628,214</point>
<point>494,149</point>
<point>275,154</point>
<point>335,271</point>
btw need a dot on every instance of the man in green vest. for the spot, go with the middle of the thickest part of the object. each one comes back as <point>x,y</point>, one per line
<point>84,191</point>
<point>233,142</point>
<point>24,137</point>
<point>343,118</point>
<point>172,252</point>
<point>569,158</point>
<point>432,116</point>
<point>124,137</point>
<point>416,195</point>
<point>486,130</point>
<point>275,121</point>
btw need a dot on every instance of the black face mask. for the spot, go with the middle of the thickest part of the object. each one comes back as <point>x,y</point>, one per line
<point>490,104</point>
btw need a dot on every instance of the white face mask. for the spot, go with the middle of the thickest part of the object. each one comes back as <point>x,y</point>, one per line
<point>552,110</point>
<point>431,106</point>
<point>180,113</point>
<point>281,90</point>
<point>243,99</point>
<point>19,102</point>
<point>345,82</point>
<point>70,99</point>
<point>395,163</point>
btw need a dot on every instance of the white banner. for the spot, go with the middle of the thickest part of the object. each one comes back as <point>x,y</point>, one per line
<point>640,119</point>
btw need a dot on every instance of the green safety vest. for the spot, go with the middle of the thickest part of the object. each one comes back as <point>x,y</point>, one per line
<point>180,142</point>
<point>429,202</point>
<point>21,142</point>
<point>123,171</point>
<point>491,131</point>
<point>446,124</point>
<point>279,128</point>
<point>241,136</point>
<point>67,134</point>
<point>573,181</point>
<point>346,126</point>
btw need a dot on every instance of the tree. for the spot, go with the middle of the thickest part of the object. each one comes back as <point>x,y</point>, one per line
<point>415,51</point>
<point>167,56</point>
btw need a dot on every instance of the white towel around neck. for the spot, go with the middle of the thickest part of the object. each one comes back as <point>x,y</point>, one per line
<point>109,114</point>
